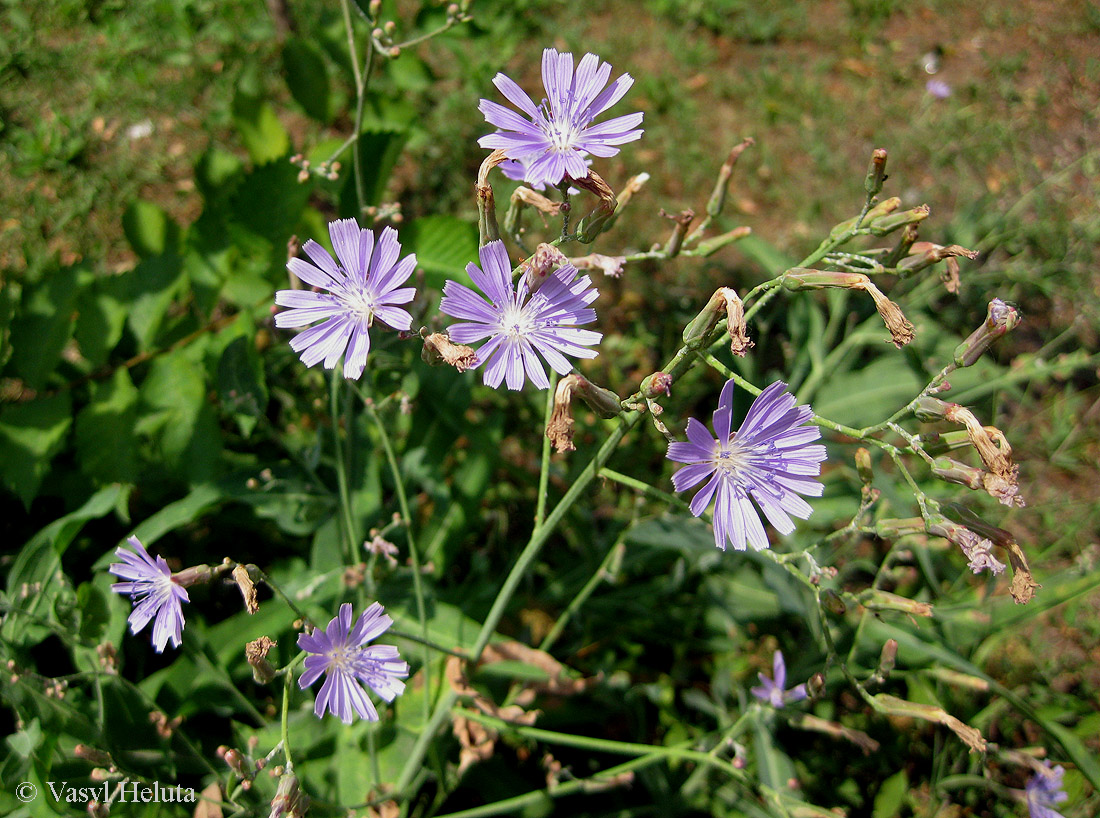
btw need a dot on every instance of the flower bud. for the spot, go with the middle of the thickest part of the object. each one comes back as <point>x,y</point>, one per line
<point>195,575</point>
<point>891,222</point>
<point>439,349</point>
<point>735,323</point>
<point>659,383</point>
<point>683,221</point>
<point>883,208</point>
<point>876,173</point>
<point>91,754</point>
<point>893,528</point>
<point>955,472</point>
<point>924,254</point>
<point>538,267</point>
<point>888,658</point>
<point>816,685</point>
<point>702,324</point>
<point>863,466</point>
<point>801,278</point>
<point>718,198</point>
<point>875,599</point>
<point>603,402</point>
<point>1000,319</point>
<point>712,245</point>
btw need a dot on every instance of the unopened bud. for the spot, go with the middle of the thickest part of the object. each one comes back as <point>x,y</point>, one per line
<point>832,602</point>
<point>374,7</point>
<point>891,222</point>
<point>246,587</point>
<point>816,685</point>
<point>713,245</point>
<point>659,383</point>
<point>924,254</point>
<point>237,763</point>
<point>256,654</point>
<point>927,408</point>
<point>439,349</point>
<point>883,208</point>
<point>888,658</point>
<point>98,810</point>
<point>953,471</point>
<point>91,754</point>
<point>891,529</point>
<point>195,575</point>
<point>863,466</point>
<point>875,599</point>
<point>1000,319</point>
<point>683,221</point>
<point>876,173</point>
<point>603,402</point>
<point>702,324</point>
<point>718,197</point>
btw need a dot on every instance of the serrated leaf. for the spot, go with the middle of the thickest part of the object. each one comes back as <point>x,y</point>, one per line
<point>105,443</point>
<point>30,435</point>
<point>241,385</point>
<point>444,246</point>
<point>43,326</point>
<point>307,78</point>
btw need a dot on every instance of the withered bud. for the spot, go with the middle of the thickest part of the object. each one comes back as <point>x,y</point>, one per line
<point>246,587</point>
<point>97,810</point>
<point>924,254</point>
<point>875,599</point>
<point>91,754</point>
<point>876,173</point>
<point>801,278</point>
<point>560,427</point>
<point>491,161</point>
<point>953,471</point>
<point>996,453</point>
<point>718,198</point>
<point>863,466</point>
<point>892,221</point>
<point>978,550</point>
<point>595,222</point>
<point>256,654</point>
<point>545,260</point>
<point>816,685</point>
<point>832,602</point>
<point>536,200</point>
<point>1023,583</point>
<point>701,325</point>
<point>735,323</point>
<point>928,408</point>
<point>632,186</point>
<point>659,383</point>
<point>383,548</point>
<point>439,349</point>
<point>194,575</point>
<point>1000,319</point>
<point>610,266</point>
<point>710,246</point>
<point>289,800</point>
<point>683,221</point>
<point>888,658</point>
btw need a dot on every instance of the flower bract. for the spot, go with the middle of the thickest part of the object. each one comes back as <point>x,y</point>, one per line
<point>520,325</point>
<point>770,459</point>
<point>342,654</point>
<point>362,284</point>
<point>155,596</point>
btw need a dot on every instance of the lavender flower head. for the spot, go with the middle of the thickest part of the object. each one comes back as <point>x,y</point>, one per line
<point>938,88</point>
<point>771,690</point>
<point>769,458</point>
<point>1044,791</point>
<point>341,653</point>
<point>519,323</point>
<point>361,287</point>
<point>155,596</point>
<point>560,130</point>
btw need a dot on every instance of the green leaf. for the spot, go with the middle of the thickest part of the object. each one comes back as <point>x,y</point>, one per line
<point>379,151</point>
<point>868,395</point>
<point>269,202</point>
<point>263,135</point>
<point>891,796</point>
<point>101,318</point>
<point>444,246</point>
<point>105,443</point>
<point>149,230</point>
<point>241,386</point>
<point>44,326</point>
<point>150,287</point>
<point>307,78</point>
<point>765,254</point>
<point>30,435</point>
<point>772,765</point>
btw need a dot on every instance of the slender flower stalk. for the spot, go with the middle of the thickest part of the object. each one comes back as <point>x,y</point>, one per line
<point>341,652</point>
<point>554,140</point>
<point>519,323</point>
<point>772,690</point>
<point>769,459</point>
<point>361,286</point>
<point>156,596</point>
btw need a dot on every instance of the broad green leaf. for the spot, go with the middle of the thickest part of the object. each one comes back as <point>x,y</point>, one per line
<point>379,151</point>
<point>307,78</point>
<point>150,288</point>
<point>149,230</point>
<point>868,395</point>
<point>772,765</point>
<point>44,325</point>
<point>444,246</point>
<point>241,385</point>
<point>30,435</point>
<point>105,441</point>
<point>263,135</point>
<point>269,203</point>
<point>101,318</point>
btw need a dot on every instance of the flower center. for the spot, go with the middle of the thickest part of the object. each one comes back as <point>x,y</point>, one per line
<point>343,658</point>
<point>731,458</point>
<point>515,323</point>
<point>562,132</point>
<point>359,302</point>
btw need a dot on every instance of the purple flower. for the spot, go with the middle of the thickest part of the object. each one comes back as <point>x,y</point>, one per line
<point>516,170</point>
<point>768,458</point>
<point>340,654</point>
<point>519,323</point>
<point>1044,791</point>
<point>938,88</point>
<point>559,131</point>
<point>360,288</point>
<point>771,690</point>
<point>155,594</point>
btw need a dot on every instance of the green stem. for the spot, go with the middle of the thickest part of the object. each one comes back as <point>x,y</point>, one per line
<point>575,604</point>
<point>341,471</point>
<point>284,725</point>
<point>544,467</point>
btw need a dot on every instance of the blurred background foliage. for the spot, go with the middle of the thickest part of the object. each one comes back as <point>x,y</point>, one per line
<point>144,219</point>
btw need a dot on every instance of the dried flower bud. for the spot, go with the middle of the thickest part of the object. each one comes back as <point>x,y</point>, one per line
<point>255,653</point>
<point>382,548</point>
<point>538,267</point>
<point>439,349</point>
<point>876,173</point>
<point>816,685</point>
<point>289,800</point>
<point>595,222</point>
<point>735,323</point>
<point>978,550</point>
<point>891,222</point>
<point>683,221</point>
<point>801,278</point>
<point>486,204</point>
<point>924,254</point>
<point>659,383</point>
<point>832,602</point>
<point>1023,584</point>
<point>712,245</point>
<point>893,528</point>
<point>1000,319</point>
<point>194,575</point>
<point>560,427</point>
<point>610,266</point>
<point>995,452</point>
<point>718,198</point>
<point>246,587</point>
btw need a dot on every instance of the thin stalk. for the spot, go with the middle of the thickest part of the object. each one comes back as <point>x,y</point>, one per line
<point>544,467</point>
<point>341,470</point>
